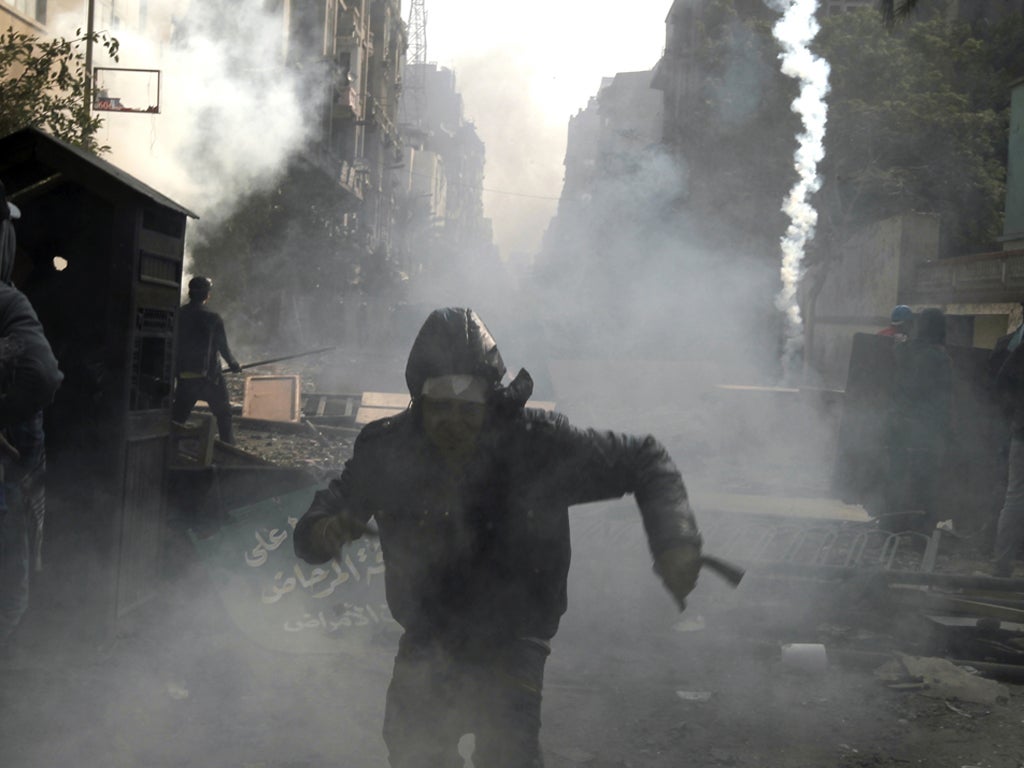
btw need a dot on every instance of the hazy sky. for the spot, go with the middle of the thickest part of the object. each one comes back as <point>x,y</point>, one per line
<point>523,69</point>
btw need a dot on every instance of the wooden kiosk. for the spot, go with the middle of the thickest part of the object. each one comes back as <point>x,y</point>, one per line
<point>100,256</point>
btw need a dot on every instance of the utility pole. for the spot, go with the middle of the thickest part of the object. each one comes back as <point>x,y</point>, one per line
<point>89,28</point>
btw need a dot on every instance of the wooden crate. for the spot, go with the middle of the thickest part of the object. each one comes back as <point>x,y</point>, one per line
<point>272,398</point>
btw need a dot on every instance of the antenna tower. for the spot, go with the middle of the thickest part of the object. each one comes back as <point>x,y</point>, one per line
<point>416,63</point>
<point>417,32</point>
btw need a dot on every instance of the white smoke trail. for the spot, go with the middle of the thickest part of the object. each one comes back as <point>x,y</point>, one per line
<point>794,32</point>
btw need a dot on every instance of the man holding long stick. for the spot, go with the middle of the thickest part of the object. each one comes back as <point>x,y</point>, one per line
<point>201,342</point>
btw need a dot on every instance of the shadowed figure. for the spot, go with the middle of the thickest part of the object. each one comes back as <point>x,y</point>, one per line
<point>918,427</point>
<point>470,490</point>
<point>29,378</point>
<point>202,341</point>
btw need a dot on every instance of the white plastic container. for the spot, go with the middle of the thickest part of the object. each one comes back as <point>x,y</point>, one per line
<point>805,657</point>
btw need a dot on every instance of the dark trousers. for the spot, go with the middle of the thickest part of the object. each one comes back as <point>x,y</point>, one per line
<point>1010,531</point>
<point>13,562</point>
<point>438,694</point>
<point>215,393</point>
<point>911,491</point>
<point>25,473</point>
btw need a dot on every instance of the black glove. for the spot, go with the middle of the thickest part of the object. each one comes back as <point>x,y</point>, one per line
<point>678,568</point>
<point>335,531</point>
<point>235,367</point>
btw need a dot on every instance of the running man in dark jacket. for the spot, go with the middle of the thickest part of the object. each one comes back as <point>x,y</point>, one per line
<point>201,339</point>
<point>470,491</point>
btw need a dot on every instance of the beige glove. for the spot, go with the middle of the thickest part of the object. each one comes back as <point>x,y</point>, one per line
<point>678,568</point>
<point>334,532</point>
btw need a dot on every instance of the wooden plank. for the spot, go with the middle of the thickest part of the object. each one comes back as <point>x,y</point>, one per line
<point>379,405</point>
<point>544,405</point>
<point>193,444</point>
<point>385,400</point>
<point>977,608</point>
<point>365,415</point>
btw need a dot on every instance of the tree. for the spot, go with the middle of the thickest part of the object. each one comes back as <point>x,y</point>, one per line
<point>896,10</point>
<point>918,122</point>
<point>43,83</point>
<point>288,257</point>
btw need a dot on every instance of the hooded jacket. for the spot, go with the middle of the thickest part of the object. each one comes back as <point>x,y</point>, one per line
<point>487,555</point>
<point>29,376</point>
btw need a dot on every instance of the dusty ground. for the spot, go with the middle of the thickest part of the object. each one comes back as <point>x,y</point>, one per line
<point>629,684</point>
<point>180,685</point>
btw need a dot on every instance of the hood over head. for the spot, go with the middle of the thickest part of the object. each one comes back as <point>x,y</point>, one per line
<point>454,341</point>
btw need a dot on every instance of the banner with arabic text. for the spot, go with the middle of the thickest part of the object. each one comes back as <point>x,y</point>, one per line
<point>285,604</point>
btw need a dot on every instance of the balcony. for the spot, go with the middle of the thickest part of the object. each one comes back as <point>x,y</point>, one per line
<point>351,179</point>
<point>349,26</point>
<point>346,101</point>
<point>982,278</point>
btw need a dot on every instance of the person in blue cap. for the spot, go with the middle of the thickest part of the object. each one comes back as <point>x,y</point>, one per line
<point>901,323</point>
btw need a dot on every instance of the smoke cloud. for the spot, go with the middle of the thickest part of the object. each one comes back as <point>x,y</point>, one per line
<point>231,113</point>
<point>524,150</point>
<point>795,31</point>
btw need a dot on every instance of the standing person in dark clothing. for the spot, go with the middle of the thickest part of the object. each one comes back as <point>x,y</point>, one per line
<point>1009,389</point>
<point>201,339</point>
<point>470,491</point>
<point>1001,430</point>
<point>29,378</point>
<point>919,425</point>
<point>1003,348</point>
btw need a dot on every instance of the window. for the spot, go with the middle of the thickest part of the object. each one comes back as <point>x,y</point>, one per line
<point>33,9</point>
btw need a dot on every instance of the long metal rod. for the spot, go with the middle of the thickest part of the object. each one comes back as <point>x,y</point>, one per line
<point>280,359</point>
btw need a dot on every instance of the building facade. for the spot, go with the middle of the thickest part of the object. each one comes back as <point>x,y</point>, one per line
<point>440,181</point>
<point>354,49</point>
<point>62,17</point>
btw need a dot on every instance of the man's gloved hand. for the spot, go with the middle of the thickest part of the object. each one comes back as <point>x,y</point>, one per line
<point>235,367</point>
<point>334,532</point>
<point>678,568</point>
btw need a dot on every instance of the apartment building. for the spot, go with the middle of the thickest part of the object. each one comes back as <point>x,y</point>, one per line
<point>354,49</point>
<point>441,175</point>
<point>605,145</point>
<point>27,16</point>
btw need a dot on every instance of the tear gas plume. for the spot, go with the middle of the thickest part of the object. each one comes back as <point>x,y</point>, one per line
<point>231,112</point>
<point>795,31</point>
